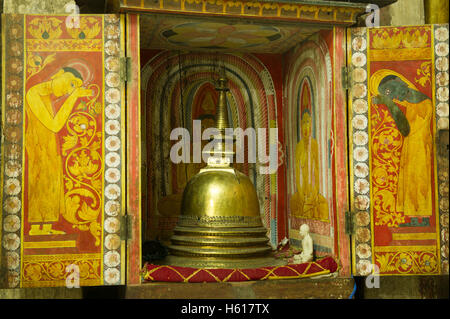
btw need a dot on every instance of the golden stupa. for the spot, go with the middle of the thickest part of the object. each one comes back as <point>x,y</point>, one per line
<point>220,224</point>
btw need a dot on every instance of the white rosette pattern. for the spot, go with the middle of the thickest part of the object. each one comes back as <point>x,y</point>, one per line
<point>113,152</point>
<point>441,33</point>
<point>360,149</point>
<point>12,145</point>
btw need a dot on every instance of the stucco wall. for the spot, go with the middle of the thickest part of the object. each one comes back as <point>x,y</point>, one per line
<point>35,6</point>
<point>403,12</point>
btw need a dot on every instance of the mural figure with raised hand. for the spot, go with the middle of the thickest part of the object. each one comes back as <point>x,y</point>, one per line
<point>45,171</point>
<point>416,153</point>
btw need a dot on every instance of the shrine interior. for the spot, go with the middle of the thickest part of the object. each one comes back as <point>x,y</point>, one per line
<point>340,176</point>
<point>277,73</point>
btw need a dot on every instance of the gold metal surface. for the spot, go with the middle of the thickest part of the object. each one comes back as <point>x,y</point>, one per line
<point>218,193</point>
<point>214,263</point>
<point>436,11</point>
<point>220,224</point>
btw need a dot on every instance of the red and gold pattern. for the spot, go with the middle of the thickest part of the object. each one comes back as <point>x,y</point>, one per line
<point>386,149</point>
<point>343,15</point>
<point>185,274</point>
<point>46,33</point>
<point>400,44</point>
<point>400,38</point>
<point>403,244</point>
<point>408,261</point>
<point>65,137</point>
<point>46,271</point>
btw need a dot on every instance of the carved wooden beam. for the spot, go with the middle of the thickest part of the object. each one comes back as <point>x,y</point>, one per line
<point>321,12</point>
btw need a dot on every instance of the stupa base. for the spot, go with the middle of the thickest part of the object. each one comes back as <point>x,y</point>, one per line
<point>222,263</point>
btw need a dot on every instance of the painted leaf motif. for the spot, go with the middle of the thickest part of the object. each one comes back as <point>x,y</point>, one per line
<point>97,184</point>
<point>68,184</point>
<point>383,260</point>
<point>87,213</point>
<point>70,141</point>
<point>72,205</point>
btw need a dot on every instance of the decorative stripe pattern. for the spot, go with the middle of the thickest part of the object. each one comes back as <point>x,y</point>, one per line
<point>323,266</point>
<point>113,153</point>
<point>441,36</point>
<point>12,144</point>
<point>337,14</point>
<point>359,157</point>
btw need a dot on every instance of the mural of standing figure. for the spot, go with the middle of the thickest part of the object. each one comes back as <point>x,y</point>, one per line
<point>414,197</point>
<point>44,162</point>
<point>307,202</point>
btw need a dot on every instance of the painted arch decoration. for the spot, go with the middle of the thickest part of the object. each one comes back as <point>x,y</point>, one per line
<point>179,88</point>
<point>309,106</point>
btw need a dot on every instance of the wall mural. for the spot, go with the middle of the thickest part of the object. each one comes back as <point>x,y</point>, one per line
<point>174,99</point>
<point>395,98</point>
<point>310,136</point>
<point>59,147</point>
<point>307,202</point>
<point>213,35</point>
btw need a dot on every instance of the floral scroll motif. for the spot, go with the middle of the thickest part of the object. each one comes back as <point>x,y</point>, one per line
<point>84,167</point>
<point>36,63</point>
<point>45,28</point>
<point>396,38</point>
<point>424,73</point>
<point>88,28</point>
<point>40,273</point>
<point>386,150</point>
<point>407,262</point>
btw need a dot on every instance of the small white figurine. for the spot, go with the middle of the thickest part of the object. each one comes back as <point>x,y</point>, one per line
<point>307,246</point>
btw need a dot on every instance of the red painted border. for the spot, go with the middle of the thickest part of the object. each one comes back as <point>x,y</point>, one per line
<point>133,150</point>
<point>340,107</point>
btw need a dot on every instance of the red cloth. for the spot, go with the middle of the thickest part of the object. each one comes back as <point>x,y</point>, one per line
<point>185,274</point>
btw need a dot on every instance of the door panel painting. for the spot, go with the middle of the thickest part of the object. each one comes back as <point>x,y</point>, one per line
<point>61,160</point>
<point>399,102</point>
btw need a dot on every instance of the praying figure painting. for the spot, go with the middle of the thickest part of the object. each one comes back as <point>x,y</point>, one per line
<point>63,138</point>
<point>62,150</point>
<point>395,91</point>
<point>45,165</point>
<point>395,118</point>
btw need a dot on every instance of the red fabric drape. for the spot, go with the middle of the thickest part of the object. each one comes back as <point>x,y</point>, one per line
<point>153,273</point>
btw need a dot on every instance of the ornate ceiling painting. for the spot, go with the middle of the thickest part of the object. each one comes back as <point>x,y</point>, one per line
<point>159,32</point>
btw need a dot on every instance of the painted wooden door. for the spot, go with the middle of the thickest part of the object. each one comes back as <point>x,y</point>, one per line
<point>63,151</point>
<point>398,106</point>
